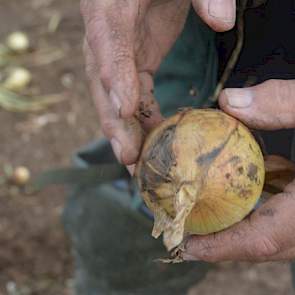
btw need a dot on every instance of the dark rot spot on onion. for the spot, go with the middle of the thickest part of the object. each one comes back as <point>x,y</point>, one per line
<point>241,170</point>
<point>234,160</point>
<point>153,195</point>
<point>161,154</point>
<point>208,158</point>
<point>158,161</point>
<point>151,179</point>
<point>245,193</point>
<point>252,171</point>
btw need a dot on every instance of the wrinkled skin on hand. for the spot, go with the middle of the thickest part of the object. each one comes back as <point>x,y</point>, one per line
<point>267,234</point>
<point>126,40</point>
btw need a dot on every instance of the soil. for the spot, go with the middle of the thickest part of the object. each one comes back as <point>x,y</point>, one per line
<point>35,254</point>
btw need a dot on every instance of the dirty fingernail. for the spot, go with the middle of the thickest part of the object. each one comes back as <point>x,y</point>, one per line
<point>117,148</point>
<point>221,9</point>
<point>188,257</point>
<point>116,102</point>
<point>239,98</point>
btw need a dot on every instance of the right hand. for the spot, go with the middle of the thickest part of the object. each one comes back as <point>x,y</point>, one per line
<point>126,40</point>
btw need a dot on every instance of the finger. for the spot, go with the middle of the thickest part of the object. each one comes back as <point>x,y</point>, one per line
<point>239,243</point>
<point>269,106</point>
<point>264,236</point>
<point>148,112</point>
<point>220,15</point>
<point>110,35</point>
<point>125,134</point>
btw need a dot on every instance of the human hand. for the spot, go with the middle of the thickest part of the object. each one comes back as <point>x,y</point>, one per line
<point>125,44</point>
<point>268,233</point>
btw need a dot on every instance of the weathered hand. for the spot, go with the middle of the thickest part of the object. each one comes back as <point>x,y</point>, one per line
<point>268,233</point>
<point>126,41</point>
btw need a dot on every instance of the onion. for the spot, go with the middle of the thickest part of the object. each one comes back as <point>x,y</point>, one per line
<point>18,79</point>
<point>200,171</point>
<point>18,42</point>
<point>21,176</point>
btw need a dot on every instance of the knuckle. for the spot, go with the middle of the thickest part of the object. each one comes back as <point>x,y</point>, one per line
<point>93,37</point>
<point>108,127</point>
<point>93,71</point>
<point>282,92</point>
<point>281,89</point>
<point>95,28</point>
<point>122,56</point>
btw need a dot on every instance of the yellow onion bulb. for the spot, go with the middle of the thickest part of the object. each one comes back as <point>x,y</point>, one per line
<point>18,42</point>
<point>17,79</point>
<point>21,175</point>
<point>200,171</point>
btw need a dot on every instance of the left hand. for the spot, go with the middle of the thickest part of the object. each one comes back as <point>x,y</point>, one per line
<point>269,233</point>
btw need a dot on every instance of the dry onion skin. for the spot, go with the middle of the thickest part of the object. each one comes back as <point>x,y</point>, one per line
<point>200,172</point>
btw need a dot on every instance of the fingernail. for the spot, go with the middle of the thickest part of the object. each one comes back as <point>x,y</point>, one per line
<point>222,10</point>
<point>239,98</point>
<point>131,169</point>
<point>117,148</point>
<point>188,257</point>
<point>116,102</point>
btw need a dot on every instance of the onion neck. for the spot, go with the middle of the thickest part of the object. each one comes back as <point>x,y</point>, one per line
<point>185,200</point>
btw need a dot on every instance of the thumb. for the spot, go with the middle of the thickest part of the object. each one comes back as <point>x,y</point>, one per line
<point>268,106</point>
<point>220,15</point>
